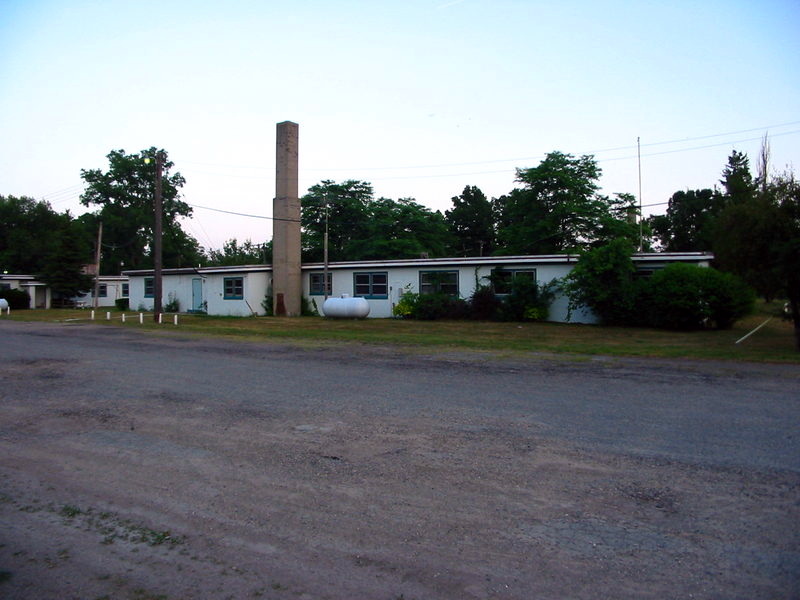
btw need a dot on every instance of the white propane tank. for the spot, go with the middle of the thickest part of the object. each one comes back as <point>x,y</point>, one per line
<point>3,304</point>
<point>345,307</point>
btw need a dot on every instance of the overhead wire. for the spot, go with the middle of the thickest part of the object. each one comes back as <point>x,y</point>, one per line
<point>526,158</point>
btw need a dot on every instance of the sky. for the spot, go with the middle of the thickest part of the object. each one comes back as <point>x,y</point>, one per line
<point>418,97</point>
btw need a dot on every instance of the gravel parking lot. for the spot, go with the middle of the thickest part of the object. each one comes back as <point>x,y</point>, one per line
<point>145,466</point>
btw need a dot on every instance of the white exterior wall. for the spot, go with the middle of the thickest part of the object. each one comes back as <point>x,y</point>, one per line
<point>213,286</point>
<point>405,278</point>
<point>401,275</point>
<point>255,290</point>
<point>113,292</point>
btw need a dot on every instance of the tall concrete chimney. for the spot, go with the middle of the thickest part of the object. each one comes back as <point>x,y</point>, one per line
<point>286,282</point>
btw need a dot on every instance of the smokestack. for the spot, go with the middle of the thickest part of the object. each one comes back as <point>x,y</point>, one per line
<point>286,282</point>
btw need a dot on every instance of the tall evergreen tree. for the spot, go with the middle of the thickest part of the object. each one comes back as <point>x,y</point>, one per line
<point>737,181</point>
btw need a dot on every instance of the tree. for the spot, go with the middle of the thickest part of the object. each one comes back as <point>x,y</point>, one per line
<point>558,208</point>
<point>26,233</point>
<point>737,181</point>
<point>362,228</point>
<point>688,225</point>
<point>400,229</point>
<point>63,269</point>
<point>345,207</point>
<point>471,223</point>
<point>125,195</point>
<point>760,241</point>
<point>246,253</point>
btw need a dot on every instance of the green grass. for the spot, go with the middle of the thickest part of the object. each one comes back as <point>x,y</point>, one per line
<point>773,343</point>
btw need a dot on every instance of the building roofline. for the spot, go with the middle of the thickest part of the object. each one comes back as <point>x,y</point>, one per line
<point>430,262</point>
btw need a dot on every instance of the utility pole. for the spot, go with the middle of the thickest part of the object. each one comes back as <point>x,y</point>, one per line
<point>157,240</point>
<point>639,155</point>
<point>325,251</point>
<point>97,265</point>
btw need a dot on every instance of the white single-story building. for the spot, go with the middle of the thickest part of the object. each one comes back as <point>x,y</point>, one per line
<point>110,289</point>
<point>241,290</point>
<point>38,292</point>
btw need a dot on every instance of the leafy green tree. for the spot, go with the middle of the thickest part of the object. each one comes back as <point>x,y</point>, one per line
<point>558,209</point>
<point>759,240</point>
<point>26,234</point>
<point>246,253</point>
<point>688,225</point>
<point>745,244</point>
<point>362,228</point>
<point>471,223</point>
<point>125,194</point>
<point>400,229</point>
<point>345,206</point>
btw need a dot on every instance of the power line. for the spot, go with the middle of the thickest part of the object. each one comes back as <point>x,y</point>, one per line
<point>238,214</point>
<point>526,158</point>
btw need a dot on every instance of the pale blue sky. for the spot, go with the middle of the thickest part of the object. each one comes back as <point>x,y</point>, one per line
<point>420,97</point>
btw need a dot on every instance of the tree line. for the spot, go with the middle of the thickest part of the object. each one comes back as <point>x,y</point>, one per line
<point>751,223</point>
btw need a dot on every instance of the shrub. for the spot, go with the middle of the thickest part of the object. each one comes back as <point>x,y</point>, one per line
<point>683,296</point>
<point>17,299</point>
<point>430,307</point>
<point>122,303</point>
<point>308,308</point>
<point>528,301</point>
<point>266,303</point>
<point>603,280</point>
<point>406,306</point>
<point>172,305</point>
<point>484,304</point>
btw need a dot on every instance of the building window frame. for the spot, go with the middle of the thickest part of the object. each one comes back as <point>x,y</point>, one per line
<point>502,284</point>
<point>149,287</point>
<point>372,285</point>
<point>102,290</point>
<point>126,290</point>
<point>233,288</point>
<point>315,284</point>
<point>439,282</point>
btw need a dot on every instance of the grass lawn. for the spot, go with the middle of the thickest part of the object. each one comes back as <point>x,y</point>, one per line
<point>772,343</point>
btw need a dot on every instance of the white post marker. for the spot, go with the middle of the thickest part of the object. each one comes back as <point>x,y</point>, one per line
<point>123,317</point>
<point>108,316</point>
<point>159,317</point>
<point>176,319</point>
<point>92,316</point>
<point>141,318</point>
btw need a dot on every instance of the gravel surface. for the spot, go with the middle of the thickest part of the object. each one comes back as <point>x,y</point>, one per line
<point>155,466</point>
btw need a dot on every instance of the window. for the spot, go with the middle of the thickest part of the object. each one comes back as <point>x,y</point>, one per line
<point>371,285</point>
<point>149,287</point>
<point>502,278</point>
<point>233,288</point>
<point>102,291</point>
<point>315,284</point>
<point>125,290</point>
<point>433,282</point>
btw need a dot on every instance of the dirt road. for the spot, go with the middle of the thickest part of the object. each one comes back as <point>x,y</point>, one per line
<point>160,467</point>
